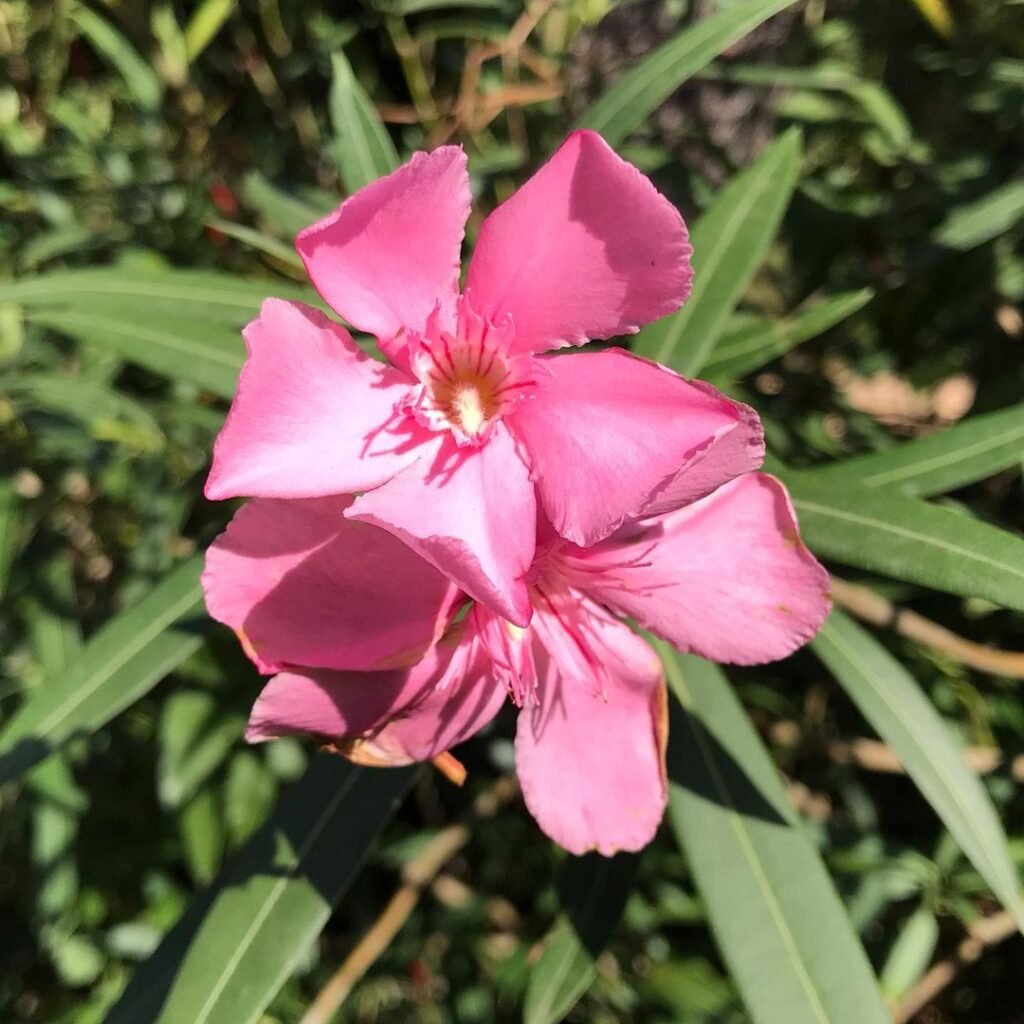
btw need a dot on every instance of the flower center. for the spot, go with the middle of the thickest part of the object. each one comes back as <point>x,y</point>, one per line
<point>466,397</point>
<point>468,379</point>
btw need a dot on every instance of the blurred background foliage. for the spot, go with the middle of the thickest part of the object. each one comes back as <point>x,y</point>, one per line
<point>165,145</point>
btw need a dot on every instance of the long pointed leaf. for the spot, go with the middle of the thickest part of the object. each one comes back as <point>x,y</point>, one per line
<point>751,346</point>
<point>902,715</point>
<point>729,244</point>
<point>778,921</point>
<point>973,450</point>
<point>909,539</point>
<point>230,954</point>
<point>363,150</point>
<point>624,107</point>
<point>120,663</point>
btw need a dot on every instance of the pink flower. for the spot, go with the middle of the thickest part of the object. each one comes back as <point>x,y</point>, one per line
<point>319,599</point>
<point>454,445</point>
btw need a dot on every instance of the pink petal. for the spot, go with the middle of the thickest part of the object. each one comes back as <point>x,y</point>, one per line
<point>469,511</point>
<point>590,754</point>
<point>729,454</point>
<point>606,431</point>
<point>390,253</point>
<point>587,248</point>
<point>386,718</point>
<point>305,586</point>
<point>727,578</point>
<point>313,414</point>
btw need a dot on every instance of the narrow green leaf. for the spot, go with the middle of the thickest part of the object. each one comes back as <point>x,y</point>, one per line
<point>730,242</point>
<point>749,346</point>
<point>206,21</point>
<point>594,891</point>
<point>975,223</point>
<point>221,299</point>
<point>140,78</point>
<point>284,211</point>
<point>911,953</point>
<point>972,450</point>
<point>258,240</point>
<point>908,539</point>
<point>108,414</point>
<point>10,529</point>
<point>624,107</point>
<point>235,947</point>
<point>183,349</point>
<point>902,715</point>
<point>362,148</point>
<point>120,663</point>
<point>778,921</point>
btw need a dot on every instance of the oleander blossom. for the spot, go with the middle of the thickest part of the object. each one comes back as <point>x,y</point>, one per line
<point>375,652</point>
<point>468,431</point>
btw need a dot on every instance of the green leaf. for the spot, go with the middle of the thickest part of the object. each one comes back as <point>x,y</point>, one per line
<point>594,891</point>
<point>206,21</point>
<point>210,357</point>
<point>909,539</point>
<point>625,106</point>
<point>778,921</point>
<point>284,211</point>
<point>10,529</point>
<point>975,223</point>
<point>258,240</point>
<point>195,739</point>
<point>108,414</point>
<point>140,78</point>
<point>972,450</point>
<point>201,827</point>
<point>206,295</point>
<point>235,947</point>
<point>120,663</point>
<point>362,148</point>
<point>730,242</point>
<point>911,953</point>
<point>902,715</point>
<point>749,346</point>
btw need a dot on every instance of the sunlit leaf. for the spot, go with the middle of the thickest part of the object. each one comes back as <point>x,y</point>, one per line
<point>906,720</point>
<point>730,242</point>
<point>235,947</point>
<point>120,663</point>
<point>749,346</point>
<point>909,539</point>
<point>776,917</point>
<point>362,148</point>
<point>625,106</point>
<point>974,449</point>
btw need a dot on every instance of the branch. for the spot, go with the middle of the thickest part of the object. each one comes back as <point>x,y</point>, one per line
<point>873,608</point>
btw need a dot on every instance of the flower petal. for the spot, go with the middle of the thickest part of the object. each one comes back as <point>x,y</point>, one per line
<point>592,764</point>
<point>305,586</point>
<point>606,431</point>
<point>390,253</point>
<point>727,577</point>
<point>728,454</point>
<point>313,414</point>
<point>386,718</point>
<point>587,248</point>
<point>469,511</point>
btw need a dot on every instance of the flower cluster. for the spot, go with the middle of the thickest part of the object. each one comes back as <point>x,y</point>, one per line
<point>431,536</point>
